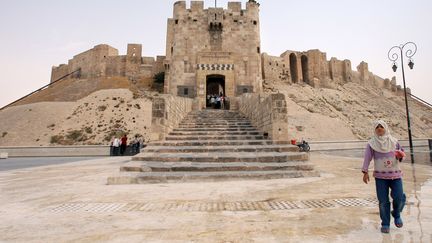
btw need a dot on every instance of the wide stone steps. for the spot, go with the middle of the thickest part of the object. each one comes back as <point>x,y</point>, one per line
<point>206,166</point>
<point>219,137</point>
<point>214,145</point>
<point>264,157</point>
<point>227,124</point>
<point>213,129</point>
<point>217,142</point>
<point>175,177</point>
<point>221,149</point>
<point>216,126</point>
<point>213,133</point>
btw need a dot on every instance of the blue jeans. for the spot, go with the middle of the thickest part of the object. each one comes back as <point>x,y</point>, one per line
<point>397,194</point>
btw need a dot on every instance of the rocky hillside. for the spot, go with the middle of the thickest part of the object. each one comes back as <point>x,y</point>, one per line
<point>90,120</point>
<point>64,115</point>
<point>348,111</point>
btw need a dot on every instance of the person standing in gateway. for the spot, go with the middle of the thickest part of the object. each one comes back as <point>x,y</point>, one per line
<point>387,153</point>
<point>123,144</point>
<point>116,146</point>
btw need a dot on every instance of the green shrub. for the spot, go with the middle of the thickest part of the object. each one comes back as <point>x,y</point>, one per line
<point>159,78</point>
<point>114,133</point>
<point>56,139</point>
<point>76,136</point>
<point>102,108</point>
<point>88,130</point>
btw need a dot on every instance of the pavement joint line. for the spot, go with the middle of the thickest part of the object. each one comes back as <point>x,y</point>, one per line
<point>274,205</point>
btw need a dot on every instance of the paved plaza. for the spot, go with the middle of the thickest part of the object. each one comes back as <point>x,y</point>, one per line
<point>70,202</point>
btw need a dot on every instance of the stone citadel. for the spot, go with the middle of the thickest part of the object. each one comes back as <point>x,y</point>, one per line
<point>214,50</point>
<point>273,101</point>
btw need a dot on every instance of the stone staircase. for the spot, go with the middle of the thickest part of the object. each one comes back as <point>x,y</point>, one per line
<point>213,145</point>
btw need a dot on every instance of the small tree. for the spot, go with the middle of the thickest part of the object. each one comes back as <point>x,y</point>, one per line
<point>159,78</point>
<point>158,82</point>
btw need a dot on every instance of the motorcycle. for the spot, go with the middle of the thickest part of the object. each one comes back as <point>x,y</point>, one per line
<point>303,146</point>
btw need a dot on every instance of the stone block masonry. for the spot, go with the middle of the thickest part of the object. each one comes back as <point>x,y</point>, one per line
<point>312,68</point>
<point>167,112</point>
<point>105,61</point>
<point>267,112</point>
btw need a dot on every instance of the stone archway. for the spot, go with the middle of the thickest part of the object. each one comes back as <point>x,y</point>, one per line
<point>215,85</point>
<point>305,69</point>
<point>293,67</point>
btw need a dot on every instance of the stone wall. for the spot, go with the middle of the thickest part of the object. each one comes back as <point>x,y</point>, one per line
<point>104,61</point>
<point>167,112</point>
<point>267,112</point>
<point>214,41</point>
<point>275,68</point>
<point>57,151</point>
<point>313,68</point>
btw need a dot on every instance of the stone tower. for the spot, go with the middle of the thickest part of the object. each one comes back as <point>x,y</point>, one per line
<point>214,50</point>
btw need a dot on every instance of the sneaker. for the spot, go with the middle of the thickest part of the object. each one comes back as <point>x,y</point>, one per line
<point>385,229</point>
<point>398,221</point>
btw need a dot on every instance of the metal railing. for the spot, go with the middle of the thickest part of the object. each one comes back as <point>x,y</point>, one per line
<point>44,87</point>
<point>421,100</point>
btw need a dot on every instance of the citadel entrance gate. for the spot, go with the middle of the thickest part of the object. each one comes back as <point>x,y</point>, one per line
<point>215,85</point>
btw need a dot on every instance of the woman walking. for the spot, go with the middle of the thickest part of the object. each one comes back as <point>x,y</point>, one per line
<point>387,153</point>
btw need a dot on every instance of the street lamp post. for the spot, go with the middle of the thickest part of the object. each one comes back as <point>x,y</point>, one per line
<point>408,49</point>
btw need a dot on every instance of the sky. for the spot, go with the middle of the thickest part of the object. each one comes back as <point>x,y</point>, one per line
<point>36,35</point>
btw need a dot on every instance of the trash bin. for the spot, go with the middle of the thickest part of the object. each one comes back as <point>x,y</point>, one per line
<point>4,155</point>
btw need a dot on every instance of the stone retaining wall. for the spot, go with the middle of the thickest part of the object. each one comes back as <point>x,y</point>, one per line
<point>360,144</point>
<point>57,151</point>
<point>167,112</point>
<point>103,150</point>
<point>267,112</point>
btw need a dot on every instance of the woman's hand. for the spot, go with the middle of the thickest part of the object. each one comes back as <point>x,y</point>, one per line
<point>400,155</point>
<point>366,178</point>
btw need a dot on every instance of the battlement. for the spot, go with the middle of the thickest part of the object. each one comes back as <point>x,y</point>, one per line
<point>100,50</point>
<point>180,8</point>
<point>104,61</point>
<point>197,5</point>
<point>235,7</point>
<point>134,50</point>
<point>312,67</point>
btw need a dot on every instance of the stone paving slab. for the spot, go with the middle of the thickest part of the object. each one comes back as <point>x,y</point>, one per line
<point>100,207</point>
<point>72,203</point>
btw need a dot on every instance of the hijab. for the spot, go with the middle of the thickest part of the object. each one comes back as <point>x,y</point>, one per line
<point>385,143</point>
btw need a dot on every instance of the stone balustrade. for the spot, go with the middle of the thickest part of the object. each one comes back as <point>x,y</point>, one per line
<point>167,112</point>
<point>267,112</point>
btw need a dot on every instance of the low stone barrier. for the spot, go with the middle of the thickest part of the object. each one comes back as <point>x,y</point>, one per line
<point>267,112</point>
<point>167,112</point>
<point>57,151</point>
<point>359,144</point>
<point>103,150</point>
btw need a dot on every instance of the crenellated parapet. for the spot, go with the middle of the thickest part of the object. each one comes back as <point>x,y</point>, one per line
<point>312,68</point>
<point>104,61</point>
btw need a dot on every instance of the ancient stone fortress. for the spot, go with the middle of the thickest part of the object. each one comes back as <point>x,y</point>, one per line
<point>214,50</point>
<point>104,61</point>
<point>208,52</point>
